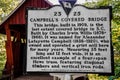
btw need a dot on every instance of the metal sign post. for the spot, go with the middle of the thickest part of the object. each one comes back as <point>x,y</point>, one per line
<point>67,76</point>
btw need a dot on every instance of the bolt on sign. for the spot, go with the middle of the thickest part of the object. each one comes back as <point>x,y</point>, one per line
<point>69,38</point>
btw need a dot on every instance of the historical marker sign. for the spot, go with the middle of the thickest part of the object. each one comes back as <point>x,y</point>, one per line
<point>78,42</point>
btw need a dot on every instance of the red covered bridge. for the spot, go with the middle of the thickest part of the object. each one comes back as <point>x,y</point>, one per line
<point>15,26</point>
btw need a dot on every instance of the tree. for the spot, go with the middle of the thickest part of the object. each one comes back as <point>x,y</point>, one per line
<point>115,30</point>
<point>6,6</point>
<point>115,21</point>
<point>114,3</point>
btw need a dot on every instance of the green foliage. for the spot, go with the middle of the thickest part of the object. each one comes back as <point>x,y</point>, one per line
<point>117,66</point>
<point>115,21</point>
<point>116,37</point>
<point>2,53</point>
<point>97,77</point>
<point>6,6</point>
<point>116,11</point>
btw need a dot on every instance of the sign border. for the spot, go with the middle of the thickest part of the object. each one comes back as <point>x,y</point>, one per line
<point>45,72</point>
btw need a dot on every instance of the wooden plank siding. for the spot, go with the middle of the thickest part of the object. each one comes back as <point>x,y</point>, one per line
<point>19,16</point>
